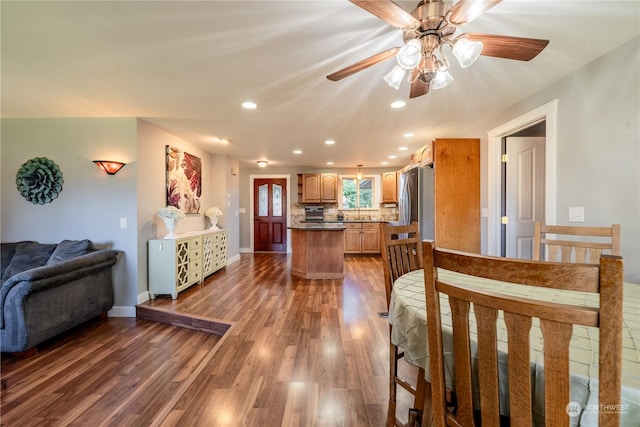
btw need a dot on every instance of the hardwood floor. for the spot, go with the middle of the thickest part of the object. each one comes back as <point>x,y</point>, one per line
<point>297,353</point>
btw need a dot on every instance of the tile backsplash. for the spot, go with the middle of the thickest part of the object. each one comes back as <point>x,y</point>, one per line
<point>331,213</point>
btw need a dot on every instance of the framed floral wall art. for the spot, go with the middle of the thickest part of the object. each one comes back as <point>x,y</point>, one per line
<point>184,180</point>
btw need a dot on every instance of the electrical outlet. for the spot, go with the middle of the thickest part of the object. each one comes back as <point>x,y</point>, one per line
<point>576,214</point>
<point>123,222</point>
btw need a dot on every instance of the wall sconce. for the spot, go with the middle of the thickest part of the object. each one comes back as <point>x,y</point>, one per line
<point>262,163</point>
<point>109,166</point>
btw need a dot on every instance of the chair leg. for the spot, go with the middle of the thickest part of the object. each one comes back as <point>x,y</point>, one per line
<point>421,389</point>
<point>427,410</point>
<point>393,370</point>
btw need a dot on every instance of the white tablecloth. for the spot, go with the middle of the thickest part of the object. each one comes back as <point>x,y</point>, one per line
<point>407,314</point>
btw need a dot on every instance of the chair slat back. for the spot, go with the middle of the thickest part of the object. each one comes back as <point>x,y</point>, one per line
<point>402,252</point>
<point>556,324</point>
<point>581,244</point>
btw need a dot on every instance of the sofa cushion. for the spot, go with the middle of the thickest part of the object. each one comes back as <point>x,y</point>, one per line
<point>28,256</point>
<point>7,252</point>
<point>68,249</point>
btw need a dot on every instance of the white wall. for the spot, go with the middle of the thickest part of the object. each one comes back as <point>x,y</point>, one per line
<point>91,202</point>
<point>216,184</point>
<point>598,145</point>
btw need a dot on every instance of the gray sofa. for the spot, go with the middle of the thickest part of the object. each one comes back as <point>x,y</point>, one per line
<point>49,288</point>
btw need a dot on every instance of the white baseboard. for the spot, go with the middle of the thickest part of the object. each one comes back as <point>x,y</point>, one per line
<point>250,251</point>
<point>122,311</point>
<point>143,297</point>
<point>233,259</point>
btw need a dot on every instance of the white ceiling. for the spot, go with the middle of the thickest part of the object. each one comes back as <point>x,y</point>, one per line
<point>187,66</point>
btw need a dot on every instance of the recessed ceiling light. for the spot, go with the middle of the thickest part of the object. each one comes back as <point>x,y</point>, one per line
<point>398,104</point>
<point>384,163</point>
<point>393,156</point>
<point>408,135</point>
<point>329,142</point>
<point>402,148</point>
<point>217,140</point>
<point>297,151</point>
<point>330,163</point>
<point>249,105</point>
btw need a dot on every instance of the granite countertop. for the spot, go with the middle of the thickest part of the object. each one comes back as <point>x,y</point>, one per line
<point>341,222</point>
<point>318,226</point>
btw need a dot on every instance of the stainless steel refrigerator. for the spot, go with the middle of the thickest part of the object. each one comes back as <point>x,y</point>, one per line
<point>416,200</point>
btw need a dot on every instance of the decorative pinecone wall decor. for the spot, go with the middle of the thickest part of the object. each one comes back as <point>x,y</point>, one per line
<point>39,180</point>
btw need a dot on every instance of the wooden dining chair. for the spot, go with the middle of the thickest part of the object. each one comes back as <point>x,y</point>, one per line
<point>402,253</point>
<point>556,323</point>
<point>574,243</point>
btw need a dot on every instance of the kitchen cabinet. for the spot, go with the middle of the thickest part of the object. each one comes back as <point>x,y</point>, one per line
<point>362,238</point>
<point>214,252</point>
<point>317,251</point>
<point>176,264</point>
<point>318,188</point>
<point>454,176</point>
<point>390,187</point>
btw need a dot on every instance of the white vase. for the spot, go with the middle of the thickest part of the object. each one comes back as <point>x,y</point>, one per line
<point>214,222</point>
<point>171,227</point>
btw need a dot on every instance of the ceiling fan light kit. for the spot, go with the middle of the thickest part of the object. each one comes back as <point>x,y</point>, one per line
<point>395,76</point>
<point>466,51</point>
<point>442,79</point>
<point>427,29</point>
<point>410,54</point>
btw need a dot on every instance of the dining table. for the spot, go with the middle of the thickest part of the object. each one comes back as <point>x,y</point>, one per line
<point>407,315</point>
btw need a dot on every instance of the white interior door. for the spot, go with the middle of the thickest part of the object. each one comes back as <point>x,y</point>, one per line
<point>524,193</point>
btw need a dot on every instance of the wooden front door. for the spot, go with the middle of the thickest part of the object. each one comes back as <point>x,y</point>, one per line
<point>270,215</point>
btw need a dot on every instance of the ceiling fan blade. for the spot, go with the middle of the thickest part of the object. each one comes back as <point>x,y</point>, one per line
<point>365,63</point>
<point>418,87</point>
<point>467,10</point>
<point>520,48</point>
<point>388,12</point>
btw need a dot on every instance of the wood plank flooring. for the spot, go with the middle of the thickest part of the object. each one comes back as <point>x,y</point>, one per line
<point>297,353</point>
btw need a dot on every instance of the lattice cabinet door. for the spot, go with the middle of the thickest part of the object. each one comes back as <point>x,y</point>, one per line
<point>174,265</point>
<point>182,264</point>
<point>220,250</point>
<point>207,254</point>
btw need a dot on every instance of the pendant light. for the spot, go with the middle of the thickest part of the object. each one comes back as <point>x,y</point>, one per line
<point>359,176</point>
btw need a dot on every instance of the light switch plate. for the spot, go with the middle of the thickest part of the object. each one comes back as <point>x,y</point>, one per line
<point>576,214</point>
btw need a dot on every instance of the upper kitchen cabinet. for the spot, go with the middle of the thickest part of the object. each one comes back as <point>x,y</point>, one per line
<point>456,183</point>
<point>318,188</point>
<point>441,190</point>
<point>390,187</point>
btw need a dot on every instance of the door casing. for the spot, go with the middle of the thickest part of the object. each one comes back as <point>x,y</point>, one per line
<point>547,112</point>
<point>252,178</point>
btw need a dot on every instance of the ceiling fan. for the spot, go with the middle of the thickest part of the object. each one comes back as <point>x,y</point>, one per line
<point>429,28</point>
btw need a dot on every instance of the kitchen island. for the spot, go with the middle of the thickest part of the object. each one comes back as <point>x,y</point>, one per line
<point>317,250</point>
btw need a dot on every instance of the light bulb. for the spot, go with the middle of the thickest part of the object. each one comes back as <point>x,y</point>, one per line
<point>466,51</point>
<point>410,54</point>
<point>442,79</point>
<point>394,77</point>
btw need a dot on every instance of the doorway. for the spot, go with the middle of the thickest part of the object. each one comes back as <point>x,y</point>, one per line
<point>546,114</point>
<point>270,214</point>
<point>523,190</point>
